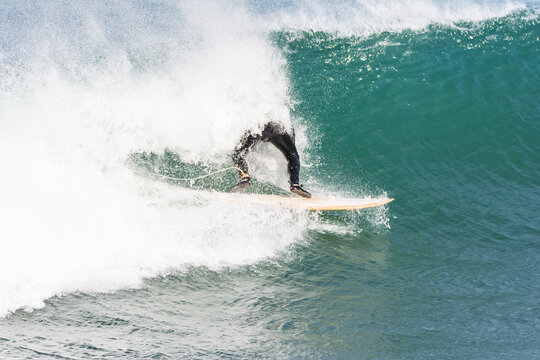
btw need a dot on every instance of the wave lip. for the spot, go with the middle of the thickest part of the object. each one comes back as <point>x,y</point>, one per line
<point>363,18</point>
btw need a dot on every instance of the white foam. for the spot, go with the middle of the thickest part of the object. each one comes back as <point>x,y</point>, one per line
<point>73,216</point>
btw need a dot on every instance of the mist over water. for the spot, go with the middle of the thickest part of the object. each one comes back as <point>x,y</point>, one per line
<point>434,103</point>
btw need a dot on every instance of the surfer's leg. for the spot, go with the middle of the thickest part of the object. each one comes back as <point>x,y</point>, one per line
<point>239,159</point>
<point>285,143</point>
<point>241,150</point>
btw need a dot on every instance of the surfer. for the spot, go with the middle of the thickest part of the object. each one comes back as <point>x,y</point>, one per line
<point>277,135</point>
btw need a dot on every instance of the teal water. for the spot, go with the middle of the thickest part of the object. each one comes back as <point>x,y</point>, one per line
<point>440,111</point>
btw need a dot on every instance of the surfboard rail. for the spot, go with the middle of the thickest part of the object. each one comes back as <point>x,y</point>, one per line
<point>312,204</point>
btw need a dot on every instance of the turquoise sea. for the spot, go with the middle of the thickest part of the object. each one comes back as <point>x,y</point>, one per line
<point>434,103</point>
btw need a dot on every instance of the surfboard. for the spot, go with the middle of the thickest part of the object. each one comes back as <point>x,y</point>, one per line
<point>314,204</point>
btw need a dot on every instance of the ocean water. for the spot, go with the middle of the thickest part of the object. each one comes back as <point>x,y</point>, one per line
<point>435,103</point>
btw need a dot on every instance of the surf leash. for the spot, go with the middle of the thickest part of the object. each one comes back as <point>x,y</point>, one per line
<point>195,178</point>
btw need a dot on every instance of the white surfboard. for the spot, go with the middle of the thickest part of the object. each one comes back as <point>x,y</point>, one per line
<point>315,204</point>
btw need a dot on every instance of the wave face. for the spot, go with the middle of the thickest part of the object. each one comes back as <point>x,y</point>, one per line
<point>437,112</point>
<point>434,103</point>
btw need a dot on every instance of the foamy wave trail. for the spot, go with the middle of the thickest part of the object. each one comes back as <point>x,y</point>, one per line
<point>83,86</point>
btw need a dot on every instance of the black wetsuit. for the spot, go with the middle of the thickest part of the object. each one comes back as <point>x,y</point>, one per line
<point>275,134</point>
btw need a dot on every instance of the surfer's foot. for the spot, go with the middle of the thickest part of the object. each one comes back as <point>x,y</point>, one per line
<point>244,183</point>
<point>299,190</point>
